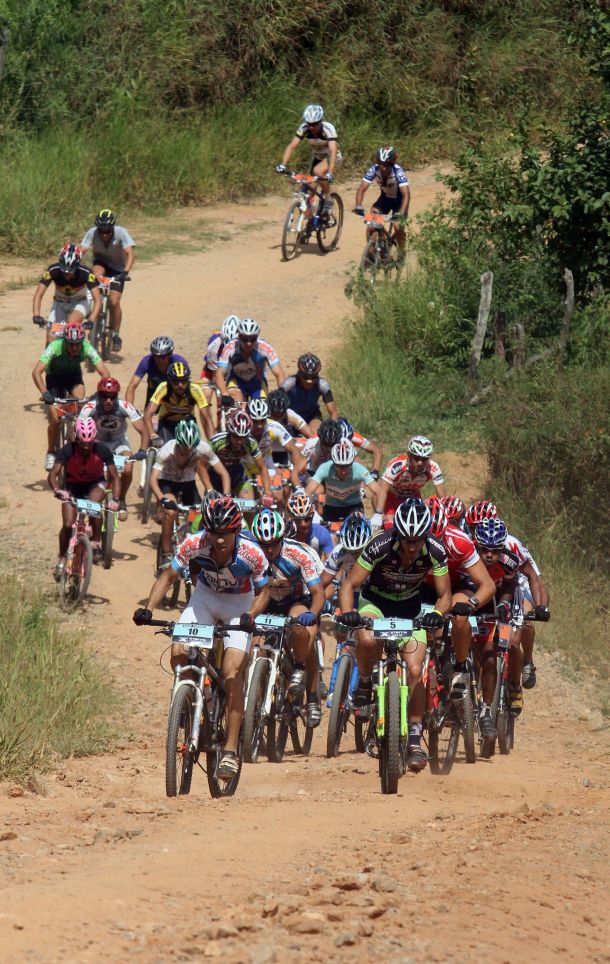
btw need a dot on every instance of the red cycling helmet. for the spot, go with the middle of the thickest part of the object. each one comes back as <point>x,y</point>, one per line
<point>85,430</point>
<point>108,386</point>
<point>221,515</point>
<point>454,507</point>
<point>74,333</point>
<point>480,510</point>
<point>239,423</point>
<point>439,517</point>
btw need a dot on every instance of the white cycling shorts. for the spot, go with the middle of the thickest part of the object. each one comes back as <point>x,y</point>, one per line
<point>209,607</point>
<point>61,310</point>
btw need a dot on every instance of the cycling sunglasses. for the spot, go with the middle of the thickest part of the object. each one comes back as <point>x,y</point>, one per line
<point>248,339</point>
<point>113,395</point>
<point>411,542</point>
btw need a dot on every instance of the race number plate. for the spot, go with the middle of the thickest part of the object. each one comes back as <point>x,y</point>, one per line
<point>246,505</point>
<point>119,461</point>
<point>392,627</point>
<point>275,622</point>
<point>86,505</point>
<point>194,634</point>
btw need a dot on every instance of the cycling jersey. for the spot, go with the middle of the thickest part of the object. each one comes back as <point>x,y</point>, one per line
<point>249,370</point>
<point>343,492</point>
<point>110,252</point>
<point>81,467</point>
<point>360,442</point>
<point>340,560</point>
<point>306,401</point>
<point>57,361</point>
<point>275,437</point>
<point>171,471</point>
<point>404,483</point>
<point>69,288</point>
<point>295,570</point>
<point>110,425</point>
<point>294,423</point>
<point>381,558</point>
<point>228,455</point>
<point>318,142</point>
<point>173,407</point>
<point>216,344</point>
<point>320,539</point>
<point>505,567</point>
<point>388,185</point>
<point>315,453</point>
<point>148,369</point>
<point>247,570</point>
<point>461,555</point>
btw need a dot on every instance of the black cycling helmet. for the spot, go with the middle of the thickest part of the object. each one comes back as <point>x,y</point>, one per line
<point>178,371</point>
<point>329,433</point>
<point>222,514</point>
<point>386,154</point>
<point>309,364</point>
<point>278,402</point>
<point>105,219</point>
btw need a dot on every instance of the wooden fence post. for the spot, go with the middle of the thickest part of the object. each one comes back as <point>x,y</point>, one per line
<point>482,319</point>
<point>500,334</point>
<point>3,46</point>
<point>567,315</point>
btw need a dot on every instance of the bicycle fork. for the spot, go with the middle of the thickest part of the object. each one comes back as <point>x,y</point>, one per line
<point>380,689</point>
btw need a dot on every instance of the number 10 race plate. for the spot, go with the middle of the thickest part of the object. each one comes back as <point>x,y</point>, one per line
<point>194,634</point>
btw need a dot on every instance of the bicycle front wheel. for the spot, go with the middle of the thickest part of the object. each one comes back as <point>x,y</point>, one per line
<point>301,735</point>
<point>442,744</point>
<point>147,491</point>
<point>370,261</point>
<point>468,726</point>
<point>390,768</point>
<point>338,715</point>
<point>329,232</point>
<point>107,538</point>
<point>179,760</point>
<point>293,229</point>
<point>254,719</point>
<point>217,786</point>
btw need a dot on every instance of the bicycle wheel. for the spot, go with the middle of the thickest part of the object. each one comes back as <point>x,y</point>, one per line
<point>301,735</point>
<point>393,260</point>
<point>254,720</point>
<point>389,744</point>
<point>329,232</point>
<point>107,538</point>
<point>151,455</point>
<point>442,744</point>
<point>291,234</point>
<point>468,726</point>
<point>179,759</point>
<point>221,788</point>
<point>505,721</point>
<point>338,715</point>
<point>370,261</point>
<point>74,585</point>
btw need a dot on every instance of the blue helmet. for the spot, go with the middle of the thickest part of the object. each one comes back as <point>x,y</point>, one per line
<point>347,429</point>
<point>355,532</point>
<point>491,533</point>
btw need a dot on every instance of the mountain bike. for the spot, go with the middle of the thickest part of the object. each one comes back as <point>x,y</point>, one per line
<point>101,336</point>
<point>110,519</point>
<point>197,720</point>
<point>78,563</point>
<point>343,681</point>
<point>180,530</point>
<point>381,251</point>
<point>306,215</point>
<point>271,711</point>
<point>151,455</point>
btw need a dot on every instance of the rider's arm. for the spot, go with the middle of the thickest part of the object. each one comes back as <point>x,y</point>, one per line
<point>115,480</point>
<point>130,257</point>
<point>313,486</point>
<point>333,411</point>
<point>97,302</point>
<point>439,488</point>
<point>539,593</point>
<point>278,374</point>
<point>151,409</point>
<point>442,584</point>
<point>485,587</point>
<point>53,476</point>
<point>318,598</point>
<point>160,587</point>
<point>206,421</point>
<point>130,394</point>
<point>154,484</point>
<point>351,584</point>
<point>405,199</point>
<point>383,488</point>
<point>37,375</point>
<point>264,473</point>
<point>260,601</point>
<point>202,472</point>
<point>224,475</point>
<point>370,446</point>
<point>140,426</point>
<point>288,150</point>
<point>374,488</point>
<point>102,368</point>
<point>38,295</point>
<point>362,189</point>
<point>332,156</point>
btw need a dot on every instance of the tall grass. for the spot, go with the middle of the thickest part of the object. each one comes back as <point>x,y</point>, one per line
<point>53,697</point>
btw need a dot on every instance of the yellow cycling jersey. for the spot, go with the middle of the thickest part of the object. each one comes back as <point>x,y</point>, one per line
<point>173,407</point>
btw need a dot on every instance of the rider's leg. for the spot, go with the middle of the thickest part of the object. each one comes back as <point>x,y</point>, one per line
<point>461,633</point>
<point>68,515</point>
<point>417,693</point>
<point>233,665</point>
<point>96,494</point>
<point>115,310</point>
<point>300,641</point>
<point>167,523</point>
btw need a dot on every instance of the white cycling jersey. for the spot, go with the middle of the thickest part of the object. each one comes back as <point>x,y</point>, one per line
<point>170,471</point>
<point>111,426</point>
<point>318,142</point>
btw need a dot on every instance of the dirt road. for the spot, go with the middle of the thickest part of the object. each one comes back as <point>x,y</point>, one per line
<point>503,860</point>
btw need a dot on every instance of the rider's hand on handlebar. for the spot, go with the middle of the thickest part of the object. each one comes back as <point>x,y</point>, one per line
<point>227,401</point>
<point>462,609</point>
<point>61,494</point>
<point>432,620</point>
<point>351,620</point>
<point>38,320</point>
<point>156,442</point>
<point>140,455</point>
<point>168,504</point>
<point>142,616</point>
<point>307,619</point>
<point>113,505</point>
<point>48,398</point>
<point>280,168</point>
<point>503,611</point>
<point>267,501</point>
<point>376,520</point>
<point>330,177</point>
<point>247,623</point>
<point>542,613</point>
<point>359,211</point>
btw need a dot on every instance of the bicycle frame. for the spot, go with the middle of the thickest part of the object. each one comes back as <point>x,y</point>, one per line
<point>200,640</point>
<point>271,628</point>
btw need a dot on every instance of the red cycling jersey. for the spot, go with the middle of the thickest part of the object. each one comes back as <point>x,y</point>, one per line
<point>461,554</point>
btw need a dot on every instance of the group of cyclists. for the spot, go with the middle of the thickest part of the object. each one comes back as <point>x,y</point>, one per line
<point>332,530</point>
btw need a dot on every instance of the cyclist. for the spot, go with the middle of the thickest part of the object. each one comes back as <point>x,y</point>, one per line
<point>301,511</point>
<point>353,536</point>
<point>342,479</point>
<point>84,461</point>
<point>243,362</point>
<point>393,184</point>
<point>113,254</point>
<point>216,344</point>
<point>305,389</point>
<point>231,586</point>
<point>269,433</point>
<point>362,444</point>
<point>456,511</point>
<point>176,399</point>
<point>77,293</point>
<point>405,476</point>
<point>153,367</point>
<point>236,448</point>
<point>317,450</point>
<point>294,590</point>
<point>280,411</point>
<point>389,576</point>
<point>176,467</point>
<point>111,416</point>
<point>322,138</point>
<point>58,374</point>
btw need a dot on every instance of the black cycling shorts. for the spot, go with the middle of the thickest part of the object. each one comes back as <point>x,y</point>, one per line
<point>392,608</point>
<point>81,490</point>
<point>110,272</point>
<point>282,607</point>
<point>185,492</point>
<point>387,205</point>
<point>337,513</point>
<point>63,385</point>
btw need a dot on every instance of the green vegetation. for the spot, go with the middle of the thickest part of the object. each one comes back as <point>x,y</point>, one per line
<point>54,697</point>
<point>163,103</point>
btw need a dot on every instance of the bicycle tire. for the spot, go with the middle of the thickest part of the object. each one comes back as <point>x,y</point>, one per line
<point>301,735</point>
<point>291,239</point>
<point>468,726</point>
<point>179,760</point>
<point>338,716</point>
<point>394,259</point>
<point>254,721</point>
<point>108,538</point>
<point>359,727</point>
<point>151,455</point>
<point>73,587</point>
<point>441,755</point>
<point>328,235</point>
<point>221,788</point>
<point>370,261</point>
<point>389,745</point>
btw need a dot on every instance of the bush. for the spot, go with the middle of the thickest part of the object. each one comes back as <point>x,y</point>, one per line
<point>53,695</point>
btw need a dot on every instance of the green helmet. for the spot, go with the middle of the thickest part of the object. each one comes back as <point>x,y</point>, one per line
<point>268,526</point>
<point>187,434</point>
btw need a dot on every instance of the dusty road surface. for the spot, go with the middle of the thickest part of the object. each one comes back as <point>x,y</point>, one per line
<point>503,860</point>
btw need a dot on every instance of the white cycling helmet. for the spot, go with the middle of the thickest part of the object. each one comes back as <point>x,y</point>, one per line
<point>313,114</point>
<point>421,446</point>
<point>258,409</point>
<point>412,519</point>
<point>248,326</point>
<point>343,453</point>
<point>228,330</point>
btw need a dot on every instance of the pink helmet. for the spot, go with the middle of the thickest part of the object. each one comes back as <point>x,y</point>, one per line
<point>85,430</point>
